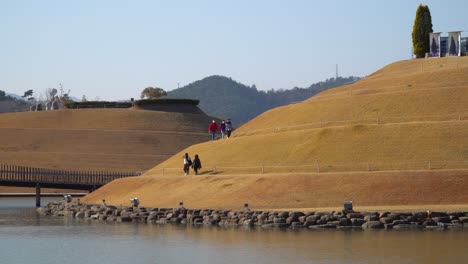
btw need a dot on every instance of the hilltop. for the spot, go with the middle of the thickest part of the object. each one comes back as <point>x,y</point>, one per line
<point>396,137</point>
<point>225,98</point>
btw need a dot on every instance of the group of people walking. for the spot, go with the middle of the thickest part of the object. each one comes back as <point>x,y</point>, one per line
<point>225,128</point>
<point>195,164</point>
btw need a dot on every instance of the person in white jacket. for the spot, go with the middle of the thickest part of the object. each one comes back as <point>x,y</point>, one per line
<point>187,164</point>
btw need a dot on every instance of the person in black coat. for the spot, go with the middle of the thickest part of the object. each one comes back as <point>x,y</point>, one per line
<point>196,164</point>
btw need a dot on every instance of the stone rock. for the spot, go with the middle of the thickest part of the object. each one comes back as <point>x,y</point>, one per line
<point>420,215</point>
<point>430,222</point>
<point>328,218</point>
<point>333,223</point>
<point>59,213</point>
<point>368,218</point>
<point>291,219</point>
<point>162,221</point>
<point>283,215</point>
<point>321,222</point>
<point>134,215</point>
<point>262,217</point>
<point>109,211</point>
<point>297,225</point>
<point>357,221</point>
<point>308,223</point>
<point>124,219</point>
<point>313,218</point>
<point>309,213</point>
<point>198,220</point>
<point>102,217</point>
<point>296,214</point>
<point>344,222</point>
<point>80,215</point>
<point>355,215</point>
<point>152,216</point>
<point>387,219</point>
<point>384,214</point>
<point>399,222</point>
<point>437,214</point>
<point>463,219</point>
<point>249,222</point>
<point>441,219</point>
<point>373,225</point>
<point>44,210</point>
<point>394,216</point>
<point>279,220</point>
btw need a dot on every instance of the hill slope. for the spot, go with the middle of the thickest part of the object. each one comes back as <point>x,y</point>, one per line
<point>98,139</point>
<point>382,136</point>
<point>225,98</point>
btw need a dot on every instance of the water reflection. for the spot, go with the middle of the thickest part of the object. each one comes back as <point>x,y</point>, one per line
<point>25,237</point>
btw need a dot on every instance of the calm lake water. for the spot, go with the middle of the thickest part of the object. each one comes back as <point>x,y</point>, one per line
<point>26,237</point>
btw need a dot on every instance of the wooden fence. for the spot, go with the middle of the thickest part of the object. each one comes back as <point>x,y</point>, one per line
<point>16,173</point>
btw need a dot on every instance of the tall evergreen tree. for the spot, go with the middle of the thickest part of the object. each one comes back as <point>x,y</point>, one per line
<point>421,29</point>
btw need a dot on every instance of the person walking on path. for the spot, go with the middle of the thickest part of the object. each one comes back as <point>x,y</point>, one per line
<point>228,127</point>
<point>222,128</point>
<point>187,164</point>
<point>196,164</point>
<point>212,128</point>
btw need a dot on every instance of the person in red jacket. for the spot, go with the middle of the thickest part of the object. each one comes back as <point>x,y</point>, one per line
<point>212,128</point>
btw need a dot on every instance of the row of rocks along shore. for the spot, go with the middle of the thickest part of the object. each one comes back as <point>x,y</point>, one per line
<point>264,219</point>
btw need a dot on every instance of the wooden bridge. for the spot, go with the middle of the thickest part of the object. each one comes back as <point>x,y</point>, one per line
<point>21,176</point>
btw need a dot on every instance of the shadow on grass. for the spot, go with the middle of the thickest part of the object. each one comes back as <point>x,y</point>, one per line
<point>209,172</point>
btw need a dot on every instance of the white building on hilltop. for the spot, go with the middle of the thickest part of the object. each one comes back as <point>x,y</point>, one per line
<point>452,45</point>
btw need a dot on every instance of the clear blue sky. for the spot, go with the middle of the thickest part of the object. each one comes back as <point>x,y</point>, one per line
<point>114,49</point>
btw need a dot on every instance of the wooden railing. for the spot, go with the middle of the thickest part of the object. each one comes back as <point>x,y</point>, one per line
<point>15,173</point>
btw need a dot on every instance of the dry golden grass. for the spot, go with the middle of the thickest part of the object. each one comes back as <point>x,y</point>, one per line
<point>398,122</point>
<point>98,139</point>
<point>401,190</point>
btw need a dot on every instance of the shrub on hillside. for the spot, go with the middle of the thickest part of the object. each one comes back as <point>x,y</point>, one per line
<point>165,101</point>
<point>97,104</point>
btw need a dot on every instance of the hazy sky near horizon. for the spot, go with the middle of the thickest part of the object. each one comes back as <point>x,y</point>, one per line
<point>113,49</point>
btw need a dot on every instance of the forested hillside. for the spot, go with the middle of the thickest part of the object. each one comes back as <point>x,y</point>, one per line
<point>11,104</point>
<point>225,98</point>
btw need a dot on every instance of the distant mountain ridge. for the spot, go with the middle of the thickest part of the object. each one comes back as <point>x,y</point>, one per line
<point>223,97</point>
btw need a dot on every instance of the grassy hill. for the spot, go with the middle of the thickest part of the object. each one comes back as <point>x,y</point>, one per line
<point>396,137</point>
<point>225,98</point>
<point>99,139</point>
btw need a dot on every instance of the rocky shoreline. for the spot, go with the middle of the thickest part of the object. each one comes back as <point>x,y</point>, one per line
<point>265,219</point>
